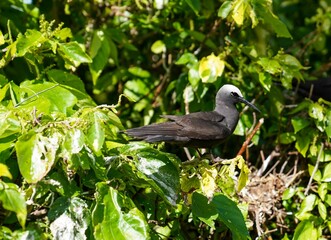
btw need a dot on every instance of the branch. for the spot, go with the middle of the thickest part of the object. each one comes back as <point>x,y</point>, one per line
<point>249,138</point>
<point>315,169</point>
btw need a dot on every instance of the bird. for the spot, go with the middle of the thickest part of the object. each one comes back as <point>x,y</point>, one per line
<point>197,129</point>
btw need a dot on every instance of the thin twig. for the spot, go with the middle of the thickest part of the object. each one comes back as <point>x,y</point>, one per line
<point>36,94</point>
<point>249,138</point>
<point>315,169</point>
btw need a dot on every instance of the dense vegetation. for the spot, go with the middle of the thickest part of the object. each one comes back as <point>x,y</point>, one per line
<point>73,74</point>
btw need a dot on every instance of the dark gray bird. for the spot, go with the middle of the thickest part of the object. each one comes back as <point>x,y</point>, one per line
<point>199,129</point>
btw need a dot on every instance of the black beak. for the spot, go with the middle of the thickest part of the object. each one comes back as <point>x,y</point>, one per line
<point>243,100</point>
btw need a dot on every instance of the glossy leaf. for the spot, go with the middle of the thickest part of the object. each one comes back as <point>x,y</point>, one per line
<point>231,216</point>
<point>70,218</point>
<point>115,216</point>
<point>160,170</point>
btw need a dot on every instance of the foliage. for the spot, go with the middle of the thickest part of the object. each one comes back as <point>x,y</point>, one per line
<point>74,74</point>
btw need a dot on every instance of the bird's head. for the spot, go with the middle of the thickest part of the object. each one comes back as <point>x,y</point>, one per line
<point>230,94</point>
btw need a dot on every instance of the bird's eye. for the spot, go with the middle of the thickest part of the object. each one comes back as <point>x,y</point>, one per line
<point>234,94</point>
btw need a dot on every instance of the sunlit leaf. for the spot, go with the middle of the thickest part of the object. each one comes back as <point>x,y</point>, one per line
<point>70,218</point>
<point>208,181</point>
<point>4,171</point>
<point>326,176</point>
<point>116,217</point>
<point>31,38</point>
<point>307,205</point>
<point>210,68</point>
<point>12,200</point>
<point>160,170</point>
<point>304,229</point>
<point>36,154</point>
<point>158,47</point>
<point>73,54</point>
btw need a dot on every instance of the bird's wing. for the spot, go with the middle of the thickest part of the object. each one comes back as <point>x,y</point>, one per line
<point>201,126</point>
<point>208,116</point>
<point>167,131</point>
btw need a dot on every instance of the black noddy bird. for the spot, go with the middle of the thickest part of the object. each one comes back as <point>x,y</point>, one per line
<point>198,129</point>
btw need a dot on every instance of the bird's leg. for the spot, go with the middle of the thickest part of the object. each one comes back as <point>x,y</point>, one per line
<point>188,154</point>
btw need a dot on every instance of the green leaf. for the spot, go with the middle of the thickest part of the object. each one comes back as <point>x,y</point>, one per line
<point>47,98</point>
<point>36,154</point>
<point>160,170</point>
<point>263,11</point>
<point>288,193</point>
<point>316,111</point>
<point>195,5</point>
<point>303,142</point>
<point>307,206</point>
<point>115,216</point>
<point>187,58</point>
<point>231,216</point>
<point>271,66</point>
<point>139,72</point>
<point>69,81</point>
<point>31,38</point>
<point>265,80</point>
<point>9,124</point>
<point>327,122</point>
<point>322,210</point>
<point>304,229</point>
<point>326,176</point>
<point>158,47</point>
<point>225,9</point>
<point>70,218</point>
<point>299,123</point>
<point>96,131</point>
<point>244,174</point>
<point>322,190</point>
<point>203,210</point>
<point>317,175</point>
<point>100,52</point>
<point>287,138</point>
<point>73,54</point>
<point>12,200</point>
